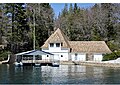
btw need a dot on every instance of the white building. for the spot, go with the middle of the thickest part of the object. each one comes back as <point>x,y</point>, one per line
<point>65,50</point>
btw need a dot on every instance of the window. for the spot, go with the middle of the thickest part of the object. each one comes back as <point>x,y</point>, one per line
<point>57,44</point>
<point>51,44</point>
<point>38,57</point>
<point>47,55</point>
<point>61,55</point>
<point>76,56</point>
<point>61,44</point>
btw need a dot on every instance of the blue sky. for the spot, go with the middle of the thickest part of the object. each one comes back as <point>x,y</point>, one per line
<point>57,7</point>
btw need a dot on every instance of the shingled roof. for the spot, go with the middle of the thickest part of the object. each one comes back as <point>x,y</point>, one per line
<point>89,47</point>
<point>57,36</point>
<point>77,46</point>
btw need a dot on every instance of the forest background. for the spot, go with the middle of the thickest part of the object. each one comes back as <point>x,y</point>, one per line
<point>100,22</point>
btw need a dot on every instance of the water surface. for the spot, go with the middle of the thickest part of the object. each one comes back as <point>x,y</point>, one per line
<point>65,74</point>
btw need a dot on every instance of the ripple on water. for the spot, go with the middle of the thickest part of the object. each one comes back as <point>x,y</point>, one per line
<point>65,74</point>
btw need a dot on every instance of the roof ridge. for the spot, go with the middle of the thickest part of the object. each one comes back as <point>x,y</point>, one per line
<point>61,36</point>
<point>65,37</point>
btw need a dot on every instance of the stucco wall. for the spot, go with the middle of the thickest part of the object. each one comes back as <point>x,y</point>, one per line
<point>80,57</point>
<point>59,54</point>
<point>64,55</point>
<point>98,57</point>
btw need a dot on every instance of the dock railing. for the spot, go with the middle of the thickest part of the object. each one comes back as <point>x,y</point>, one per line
<point>40,61</point>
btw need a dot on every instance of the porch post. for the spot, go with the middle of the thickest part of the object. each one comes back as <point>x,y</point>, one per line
<point>33,58</point>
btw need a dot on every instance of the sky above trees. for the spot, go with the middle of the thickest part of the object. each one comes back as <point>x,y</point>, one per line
<point>58,7</point>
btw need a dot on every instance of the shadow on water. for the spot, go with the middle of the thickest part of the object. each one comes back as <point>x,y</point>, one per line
<point>64,74</point>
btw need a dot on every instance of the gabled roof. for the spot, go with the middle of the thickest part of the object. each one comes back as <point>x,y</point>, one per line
<point>34,52</point>
<point>57,36</point>
<point>77,46</point>
<point>89,47</point>
<point>38,52</point>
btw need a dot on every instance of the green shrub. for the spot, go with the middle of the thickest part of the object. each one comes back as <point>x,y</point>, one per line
<point>112,45</point>
<point>111,56</point>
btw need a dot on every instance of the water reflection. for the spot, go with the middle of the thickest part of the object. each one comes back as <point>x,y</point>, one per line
<point>65,74</point>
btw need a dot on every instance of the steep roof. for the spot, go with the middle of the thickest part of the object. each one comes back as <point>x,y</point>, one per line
<point>77,46</point>
<point>89,46</point>
<point>57,36</point>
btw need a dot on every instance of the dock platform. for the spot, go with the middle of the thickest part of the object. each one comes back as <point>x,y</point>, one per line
<point>40,63</point>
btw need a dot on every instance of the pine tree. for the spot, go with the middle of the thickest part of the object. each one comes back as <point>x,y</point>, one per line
<point>71,9</point>
<point>0,26</point>
<point>75,7</point>
<point>43,22</point>
<point>19,28</point>
<point>65,10</point>
<point>109,14</point>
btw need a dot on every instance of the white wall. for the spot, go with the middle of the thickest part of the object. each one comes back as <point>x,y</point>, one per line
<point>57,55</point>
<point>80,57</point>
<point>45,57</point>
<point>98,57</point>
<point>57,51</point>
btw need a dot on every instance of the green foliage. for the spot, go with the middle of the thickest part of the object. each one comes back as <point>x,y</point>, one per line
<point>96,35</point>
<point>43,21</point>
<point>17,18</point>
<point>4,55</point>
<point>98,23</point>
<point>111,56</point>
<point>17,25</point>
<point>112,46</point>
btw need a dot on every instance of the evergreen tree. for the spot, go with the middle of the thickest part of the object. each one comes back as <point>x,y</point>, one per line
<point>71,9</point>
<point>43,22</point>
<point>65,10</point>
<point>75,7</point>
<point>100,22</point>
<point>19,28</point>
<point>0,26</point>
<point>109,14</point>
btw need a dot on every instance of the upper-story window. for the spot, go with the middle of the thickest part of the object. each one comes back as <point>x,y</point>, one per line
<point>51,44</point>
<point>57,44</point>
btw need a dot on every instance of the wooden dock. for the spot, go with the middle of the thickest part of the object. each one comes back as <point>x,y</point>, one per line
<point>37,62</point>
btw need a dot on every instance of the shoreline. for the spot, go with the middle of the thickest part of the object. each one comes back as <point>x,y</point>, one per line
<point>91,63</point>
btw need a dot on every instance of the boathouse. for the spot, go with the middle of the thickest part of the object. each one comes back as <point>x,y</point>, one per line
<point>34,57</point>
<point>65,50</point>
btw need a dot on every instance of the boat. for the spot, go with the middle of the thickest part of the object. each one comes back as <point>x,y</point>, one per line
<point>55,64</point>
<point>18,64</point>
<point>37,64</point>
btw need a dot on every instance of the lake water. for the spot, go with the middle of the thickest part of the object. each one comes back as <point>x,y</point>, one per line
<point>65,74</point>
